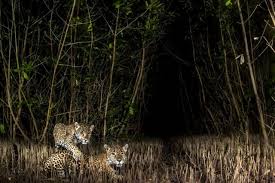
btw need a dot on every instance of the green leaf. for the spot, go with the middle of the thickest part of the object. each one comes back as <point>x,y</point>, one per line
<point>146,4</point>
<point>228,3</point>
<point>117,4</point>
<point>90,27</point>
<point>27,67</point>
<point>128,11</point>
<point>16,70</point>
<point>131,111</point>
<point>25,75</point>
<point>2,129</point>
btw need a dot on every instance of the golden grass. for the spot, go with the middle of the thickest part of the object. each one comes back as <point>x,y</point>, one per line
<point>192,159</point>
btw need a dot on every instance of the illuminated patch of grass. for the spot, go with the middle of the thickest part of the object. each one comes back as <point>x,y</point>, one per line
<point>192,159</point>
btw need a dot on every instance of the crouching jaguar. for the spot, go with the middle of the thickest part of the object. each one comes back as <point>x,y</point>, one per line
<point>113,157</point>
<point>68,136</point>
<point>73,133</point>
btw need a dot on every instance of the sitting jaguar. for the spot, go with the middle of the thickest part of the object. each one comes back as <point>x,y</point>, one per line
<point>73,133</point>
<point>110,160</point>
<point>63,162</point>
<point>114,156</point>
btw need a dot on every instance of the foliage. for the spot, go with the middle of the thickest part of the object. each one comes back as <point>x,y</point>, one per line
<point>61,65</point>
<point>226,93</point>
<point>88,61</point>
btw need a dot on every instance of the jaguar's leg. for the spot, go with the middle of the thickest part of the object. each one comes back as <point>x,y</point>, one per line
<point>113,173</point>
<point>77,154</point>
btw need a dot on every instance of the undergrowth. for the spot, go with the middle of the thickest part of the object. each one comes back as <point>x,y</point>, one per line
<point>185,159</point>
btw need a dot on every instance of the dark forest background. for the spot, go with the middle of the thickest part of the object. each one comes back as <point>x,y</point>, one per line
<point>133,67</point>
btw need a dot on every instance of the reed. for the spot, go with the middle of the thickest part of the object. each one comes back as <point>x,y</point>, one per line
<point>190,159</point>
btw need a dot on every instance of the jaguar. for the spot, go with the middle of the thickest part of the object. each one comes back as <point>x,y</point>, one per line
<point>60,164</point>
<point>113,157</point>
<point>73,133</point>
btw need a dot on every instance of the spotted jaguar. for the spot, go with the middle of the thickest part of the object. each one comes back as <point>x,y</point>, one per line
<point>113,156</point>
<point>73,133</point>
<point>60,164</point>
<point>68,136</point>
<point>74,151</point>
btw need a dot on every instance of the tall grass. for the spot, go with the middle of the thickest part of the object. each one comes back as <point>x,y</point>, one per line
<point>190,159</point>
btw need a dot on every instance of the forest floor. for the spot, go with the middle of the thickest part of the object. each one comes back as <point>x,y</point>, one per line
<point>185,159</point>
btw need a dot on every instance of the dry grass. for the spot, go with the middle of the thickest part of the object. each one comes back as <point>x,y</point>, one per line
<point>192,159</point>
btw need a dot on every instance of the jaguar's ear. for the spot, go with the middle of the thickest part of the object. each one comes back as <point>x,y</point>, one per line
<point>76,125</point>
<point>106,147</point>
<point>92,127</point>
<point>125,147</point>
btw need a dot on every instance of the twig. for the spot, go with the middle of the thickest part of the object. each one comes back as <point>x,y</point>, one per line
<point>54,73</point>
<point>111,78</point>
<point>252,77</point>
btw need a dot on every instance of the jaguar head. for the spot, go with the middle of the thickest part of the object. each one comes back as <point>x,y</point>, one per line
<point>116,155</point>
<point>83,133</point>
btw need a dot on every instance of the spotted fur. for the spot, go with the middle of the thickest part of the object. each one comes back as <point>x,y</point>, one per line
<point>67,136</point>
<point>63,162</point>
<point>73,133</point>
<point>115,155</point>
<point>60,164</point>
<point>74,151</point>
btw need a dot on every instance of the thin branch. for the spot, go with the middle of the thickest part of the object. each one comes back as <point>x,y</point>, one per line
<point>111,78</point>
<point>50,105</point>
<point>252,77</point>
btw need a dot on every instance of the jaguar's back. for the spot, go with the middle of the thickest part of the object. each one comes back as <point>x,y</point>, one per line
<point>60,163</point>
<point>72,133</point>
<point>67,136</point>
